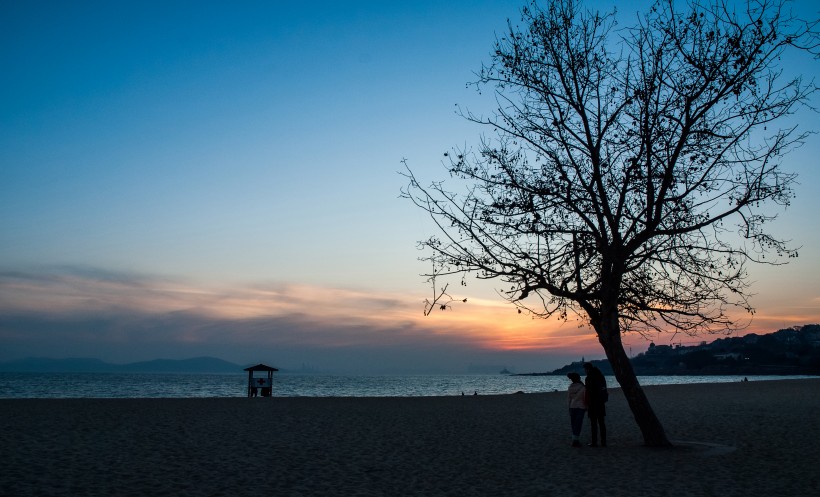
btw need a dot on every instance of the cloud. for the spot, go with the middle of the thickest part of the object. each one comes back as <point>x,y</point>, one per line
<point>121,316</point>
<point>118,316</point>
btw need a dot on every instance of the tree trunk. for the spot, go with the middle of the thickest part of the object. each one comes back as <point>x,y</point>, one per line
<point>648,422</point>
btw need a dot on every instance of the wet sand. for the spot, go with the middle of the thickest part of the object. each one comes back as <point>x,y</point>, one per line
<point>732,439</point>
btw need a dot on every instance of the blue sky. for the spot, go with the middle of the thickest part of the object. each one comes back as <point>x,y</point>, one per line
<point>189,178</point>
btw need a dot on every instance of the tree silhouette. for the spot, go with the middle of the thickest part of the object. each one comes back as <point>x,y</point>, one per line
<point>629,173</point>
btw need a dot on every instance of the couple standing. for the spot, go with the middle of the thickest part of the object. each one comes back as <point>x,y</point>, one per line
<point>588,398</point>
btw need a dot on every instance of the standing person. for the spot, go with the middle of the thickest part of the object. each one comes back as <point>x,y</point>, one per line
<point>596,400</point>
<point>576,394</point>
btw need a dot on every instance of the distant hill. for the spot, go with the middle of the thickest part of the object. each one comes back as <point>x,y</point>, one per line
<point>788,351</point>
<point>89,365</point>
<point>195,365</point>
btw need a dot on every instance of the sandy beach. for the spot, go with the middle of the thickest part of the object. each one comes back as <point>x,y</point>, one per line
<point>732,439</point>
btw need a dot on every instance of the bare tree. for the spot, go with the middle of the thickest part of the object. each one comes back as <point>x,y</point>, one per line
<point>629,173</point>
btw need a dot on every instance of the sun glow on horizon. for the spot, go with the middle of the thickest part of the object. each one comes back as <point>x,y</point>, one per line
<point>138,308</point>
<point>482,323</point>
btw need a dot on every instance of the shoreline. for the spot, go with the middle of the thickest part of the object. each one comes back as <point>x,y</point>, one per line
<point>733,439</point>
<point>93,385</point>
<point>650,375</point>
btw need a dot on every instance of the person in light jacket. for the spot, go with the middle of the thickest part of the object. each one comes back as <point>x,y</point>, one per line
<point>576,394</point>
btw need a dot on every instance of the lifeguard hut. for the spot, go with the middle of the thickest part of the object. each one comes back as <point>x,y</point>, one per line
<point>261,385</point>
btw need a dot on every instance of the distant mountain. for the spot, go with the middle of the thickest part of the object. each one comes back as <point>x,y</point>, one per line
<point>88,365</point>
<point>195,365</point>
<point>785,352</point>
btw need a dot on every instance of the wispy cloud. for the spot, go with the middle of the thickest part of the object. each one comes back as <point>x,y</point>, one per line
<point>88,310</point>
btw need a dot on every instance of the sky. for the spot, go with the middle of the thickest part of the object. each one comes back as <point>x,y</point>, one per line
<point>180,179</point>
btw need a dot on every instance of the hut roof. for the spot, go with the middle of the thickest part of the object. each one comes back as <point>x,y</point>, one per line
<point>261,367</point>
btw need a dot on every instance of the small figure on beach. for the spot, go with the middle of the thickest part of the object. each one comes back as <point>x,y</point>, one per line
<point>576,396</point>
<point>596,396</point>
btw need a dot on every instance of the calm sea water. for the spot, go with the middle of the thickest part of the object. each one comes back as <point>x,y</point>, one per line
<point>132,385</point>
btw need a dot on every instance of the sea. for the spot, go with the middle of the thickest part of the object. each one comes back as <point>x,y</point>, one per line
<point>156,385</point>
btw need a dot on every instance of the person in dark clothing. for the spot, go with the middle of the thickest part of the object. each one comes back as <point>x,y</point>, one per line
<point>596,403</point>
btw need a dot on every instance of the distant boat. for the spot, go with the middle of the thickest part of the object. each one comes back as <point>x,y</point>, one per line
<point>505,371</point>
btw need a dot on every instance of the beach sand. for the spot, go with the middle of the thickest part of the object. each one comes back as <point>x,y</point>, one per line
<point>733,439</point>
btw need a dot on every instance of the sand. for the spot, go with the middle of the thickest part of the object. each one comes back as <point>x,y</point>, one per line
<point>733,439</point>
